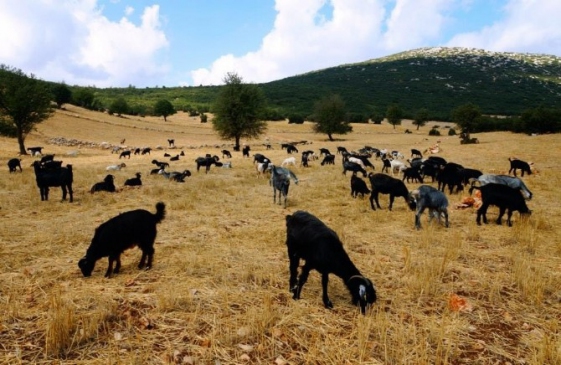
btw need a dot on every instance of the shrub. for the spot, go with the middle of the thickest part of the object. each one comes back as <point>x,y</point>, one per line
<point>295,119</point>
<point>434,132</point>
<point>451,132</point>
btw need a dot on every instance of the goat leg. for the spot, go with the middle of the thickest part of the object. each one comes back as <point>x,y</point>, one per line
<point>324,281</point>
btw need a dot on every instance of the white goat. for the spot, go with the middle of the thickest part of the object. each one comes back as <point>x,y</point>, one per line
<point>358,161</point>
<point>289,161</point>
<point>115,167</point>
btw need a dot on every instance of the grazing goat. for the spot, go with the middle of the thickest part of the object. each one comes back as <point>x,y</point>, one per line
<point>513,182</point>
<point>428,197</point>
<point>125,154</point>
<point>146,151</point>
<point>136,151</point>
<point>171,142</point>
<point>161,165</point>
<point>504,197</point>
<point>262,168</point>
<point>416,153</point>
<point>358,186</point>
<point>467,174</point>
<point>260,158</point>
<point>112,238</point>
<point>46,178</point>
<point>289,161</point>
<point>516,164</point>
<point>206,161</point>
<point>116,167</point>
<point>226,153</point>
<point>106,185</point>
<point>324,151</point>
<point>309,239</point>
<point>134,181</point>
<point>411,173</point>
<point>245,151</point>
<point>354,167</point>
<point>13,164</point>
<point>328,160</point>
<point>384,184</point>
<point>280,180</point>
<point>291,149</point>
<point>35,150</point>
<point>450,175</point>
<point>341,149</point>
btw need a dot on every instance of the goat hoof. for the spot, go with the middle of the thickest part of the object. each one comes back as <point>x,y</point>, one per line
<point>328,304</point>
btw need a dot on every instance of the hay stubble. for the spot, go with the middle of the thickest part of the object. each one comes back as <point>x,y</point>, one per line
<point>218,290</point>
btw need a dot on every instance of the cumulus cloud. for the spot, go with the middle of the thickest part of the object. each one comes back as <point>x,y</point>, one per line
<point>527,26</point>
<point>72,41</point>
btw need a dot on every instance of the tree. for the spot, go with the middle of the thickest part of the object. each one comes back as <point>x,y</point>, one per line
<point>466,117</point>
<point>421,117</point>
<point>376,116</point>
<point>24,102</point>
<point>119,106</point>
<point>394,115</point>
<point>84,98</point>
<point>238,110</point>
<point>61,94</point>
<point>164,108</point>
<point>330,116</point>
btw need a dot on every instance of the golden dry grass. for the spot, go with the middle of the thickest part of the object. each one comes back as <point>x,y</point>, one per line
<point>218,291</point>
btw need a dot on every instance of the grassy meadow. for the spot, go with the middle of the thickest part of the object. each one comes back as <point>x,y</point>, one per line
<point>218,290</point>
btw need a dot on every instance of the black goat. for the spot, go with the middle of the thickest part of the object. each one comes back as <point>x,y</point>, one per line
<point>428,197</point>
<point>358,186</point>
<point>161,165</point>
<point>46,178</point>
<point>171,142</point>
<point>226,153</point>
<point>35,150</point>
<point>291,149</point>
<point>179,176</point>
<point>174,158</point>
<point>504,197</point>
<point>309,239</point>
<point>108,184</point>
<point>166,154</point>
<point>136,151</point>
<point>146,151</point>
<point>206,162</point>
<point>125,154</point>
<point>245,151</point>
<point>134,181</point>
<point>328,160</point>
<point>416,153</point>
<point>354,167</point>
<point>384,184</point>
<point>129,229</point>
<point>258,157</point>
<point>47,158</point>
<point>516,164</point>
<point>468,174</point>
<point>412,173</point>
<point>324,151</point>
<point>13,164</point>
<point>280,180</point>
<point>450,175</point>
<point>341,149</point>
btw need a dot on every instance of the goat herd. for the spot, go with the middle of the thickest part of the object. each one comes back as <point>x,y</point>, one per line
<point>307,237</point>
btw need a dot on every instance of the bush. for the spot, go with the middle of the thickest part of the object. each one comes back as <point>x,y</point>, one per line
<point>451,132</point>
<point>295,119</point>
<point>434,132</point>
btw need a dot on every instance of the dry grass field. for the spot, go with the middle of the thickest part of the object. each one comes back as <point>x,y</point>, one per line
<point>218,290</point>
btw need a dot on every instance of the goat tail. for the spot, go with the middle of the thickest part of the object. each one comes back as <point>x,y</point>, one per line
<point>160,212</point>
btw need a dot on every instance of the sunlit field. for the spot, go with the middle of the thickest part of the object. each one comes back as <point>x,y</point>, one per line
<point>218,289</point>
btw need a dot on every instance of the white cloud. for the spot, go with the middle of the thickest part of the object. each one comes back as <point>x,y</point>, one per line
<point>71,41</point>
<point>299,43</point>
<point>527,26</point>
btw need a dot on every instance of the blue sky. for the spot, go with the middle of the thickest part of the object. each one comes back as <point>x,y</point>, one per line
<point>117,43</point>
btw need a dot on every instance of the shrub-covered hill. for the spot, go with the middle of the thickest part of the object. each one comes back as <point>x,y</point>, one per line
<point>438,79</point>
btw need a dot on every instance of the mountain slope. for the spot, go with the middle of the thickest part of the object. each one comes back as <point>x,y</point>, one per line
<point>435,78</point>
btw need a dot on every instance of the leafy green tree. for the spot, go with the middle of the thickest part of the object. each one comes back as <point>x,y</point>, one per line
<point>330,116</point>
<point>119,106</point>
<point>84,98</point>
<point>238,110</point>
<point>541,120</point>
<point>421,117</point>
<point>376,116</point>
<point>61,94</point>
<point>164,108</point>
<point>24,102</point>
<point>394,115</point>
<point>466,117</point>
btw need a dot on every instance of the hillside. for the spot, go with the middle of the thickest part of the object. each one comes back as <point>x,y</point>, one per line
<point>438,79</point>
